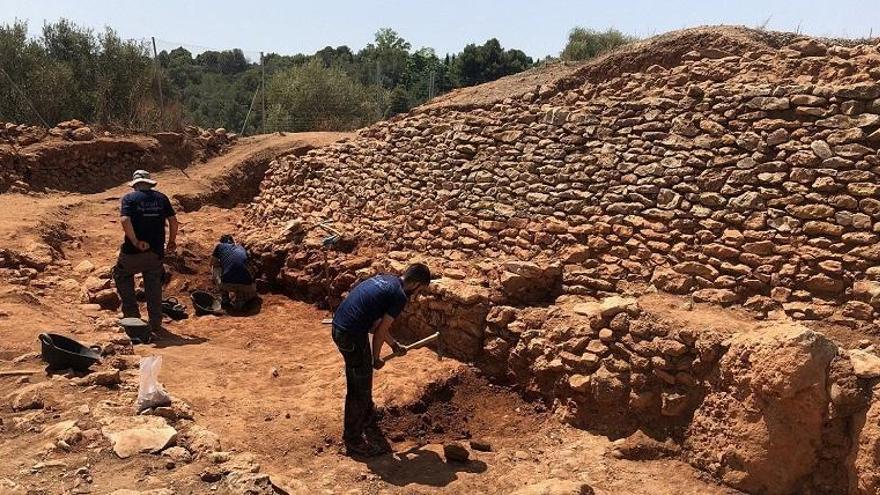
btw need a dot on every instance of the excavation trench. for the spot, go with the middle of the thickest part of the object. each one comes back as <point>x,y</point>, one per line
<point>617,365</point>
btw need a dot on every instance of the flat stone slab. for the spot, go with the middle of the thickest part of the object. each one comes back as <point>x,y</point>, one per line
<point>130,435</point>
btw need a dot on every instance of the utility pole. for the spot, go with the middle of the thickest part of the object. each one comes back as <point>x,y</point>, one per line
<point>263,88</point>
<point>158,79</point>
<point>431,86</point>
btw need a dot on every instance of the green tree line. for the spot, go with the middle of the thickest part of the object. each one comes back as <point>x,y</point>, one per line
<point>68,71</point>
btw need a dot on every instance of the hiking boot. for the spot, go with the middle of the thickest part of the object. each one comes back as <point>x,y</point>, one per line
<point>362,449</point>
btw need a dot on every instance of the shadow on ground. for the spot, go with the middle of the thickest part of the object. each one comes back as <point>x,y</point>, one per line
<point>163,338</point>
<point>420,466</point>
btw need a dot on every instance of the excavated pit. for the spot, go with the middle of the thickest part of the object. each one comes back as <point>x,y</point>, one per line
<point>465,406</point>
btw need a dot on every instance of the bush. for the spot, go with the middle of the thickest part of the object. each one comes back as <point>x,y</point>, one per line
<point>585,43</point>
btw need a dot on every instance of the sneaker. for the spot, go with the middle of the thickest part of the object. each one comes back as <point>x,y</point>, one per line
<point>174,309</point>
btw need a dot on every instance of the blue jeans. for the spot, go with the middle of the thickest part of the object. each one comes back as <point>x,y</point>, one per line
<point>355,350</point>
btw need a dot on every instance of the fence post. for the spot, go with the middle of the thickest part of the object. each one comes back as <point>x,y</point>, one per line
<point>26,99</point>
<point>158,80</point>
<point>263,88</point>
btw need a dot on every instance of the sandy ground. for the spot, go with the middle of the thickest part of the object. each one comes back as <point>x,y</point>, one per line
<point>271,384</point>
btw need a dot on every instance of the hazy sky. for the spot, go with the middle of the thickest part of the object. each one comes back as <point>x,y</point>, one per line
<point>537,27</point>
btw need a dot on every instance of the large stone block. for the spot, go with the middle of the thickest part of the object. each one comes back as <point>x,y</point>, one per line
<point>760,427</point>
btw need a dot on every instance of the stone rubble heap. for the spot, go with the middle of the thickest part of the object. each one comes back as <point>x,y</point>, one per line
<point>95,410</point>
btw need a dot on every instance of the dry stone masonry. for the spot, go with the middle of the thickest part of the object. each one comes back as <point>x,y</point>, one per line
<point>731,166</point>
<point>728,176</point>
<point>72,157</point>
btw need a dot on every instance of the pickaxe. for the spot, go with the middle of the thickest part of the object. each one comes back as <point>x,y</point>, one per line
<point>421,343</point>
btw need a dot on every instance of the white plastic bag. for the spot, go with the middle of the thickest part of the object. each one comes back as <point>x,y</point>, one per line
<point>150,392</point>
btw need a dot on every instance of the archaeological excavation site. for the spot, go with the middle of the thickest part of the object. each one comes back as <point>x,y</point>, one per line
<point>656,272</point>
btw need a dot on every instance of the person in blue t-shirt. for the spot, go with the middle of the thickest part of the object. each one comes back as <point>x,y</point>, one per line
<point>370,307</point>
<point>229,263</point>
<point>144,213</point>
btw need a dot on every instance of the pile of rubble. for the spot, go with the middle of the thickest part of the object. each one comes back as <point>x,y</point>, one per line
<point>20,134</point>
<point>100,417</point>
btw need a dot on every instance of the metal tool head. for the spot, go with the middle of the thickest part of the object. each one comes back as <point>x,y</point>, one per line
<point>330,240</point>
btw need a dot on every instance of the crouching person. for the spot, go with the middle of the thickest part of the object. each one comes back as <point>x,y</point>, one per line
<point>232,274</point>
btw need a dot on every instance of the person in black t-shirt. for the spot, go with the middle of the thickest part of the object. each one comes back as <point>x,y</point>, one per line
<point>144,213</point>
<point>370,308</point>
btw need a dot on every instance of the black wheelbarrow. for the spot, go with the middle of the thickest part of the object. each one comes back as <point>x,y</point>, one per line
<point>62,352</point>
<point>205,303</point>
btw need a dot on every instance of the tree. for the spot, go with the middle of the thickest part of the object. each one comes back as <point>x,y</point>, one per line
<point>479,64</point>
<point>314,97</point>
<point>67,71</point>
<point>585,43</point>
<point>123,77</point>
<point>383,63</point>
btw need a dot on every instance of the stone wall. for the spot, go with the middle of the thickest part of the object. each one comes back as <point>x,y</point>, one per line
<point>745,177</point>
<point>725,175</point>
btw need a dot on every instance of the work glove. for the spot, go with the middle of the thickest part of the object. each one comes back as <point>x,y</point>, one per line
<point>398,349</point>
<point>378,364</point>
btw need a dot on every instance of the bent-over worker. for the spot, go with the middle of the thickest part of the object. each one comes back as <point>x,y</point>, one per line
<point>229,263</point>
<point>144,213</point>
<point>370,307</point>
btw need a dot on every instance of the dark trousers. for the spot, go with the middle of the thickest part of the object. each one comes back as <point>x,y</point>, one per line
<point>149,265</point>
<point>358,359</point>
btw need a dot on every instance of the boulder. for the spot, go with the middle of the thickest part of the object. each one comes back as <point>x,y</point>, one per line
<point>105,378</point>
<point>82,134</point>
<point>528,283</point>
<point>715,296</point>
<point>107,299</point>
<point>641,447</point>
<point>669,280</point>
<point>865,364</point>
<point>84,267</point>
<point>202,440</point>
<point>866,462</point>
<point>246,483</point>
<point>760,427</point>
<point>32,396</point>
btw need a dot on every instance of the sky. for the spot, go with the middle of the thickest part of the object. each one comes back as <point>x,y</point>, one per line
<point>537,27</point>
